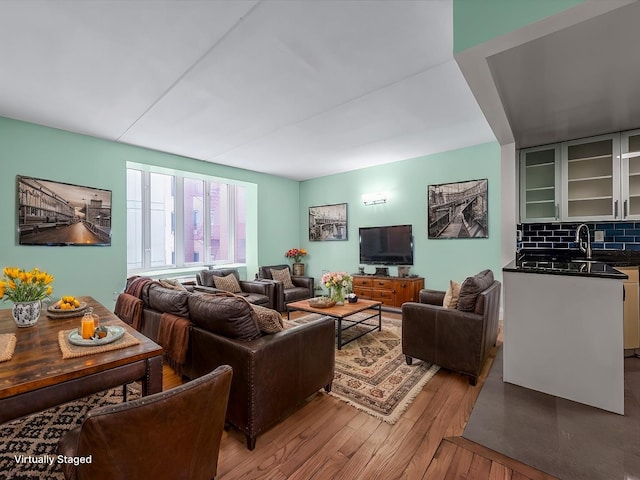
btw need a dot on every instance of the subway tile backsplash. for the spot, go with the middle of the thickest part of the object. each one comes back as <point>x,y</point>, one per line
<point>617,236</point>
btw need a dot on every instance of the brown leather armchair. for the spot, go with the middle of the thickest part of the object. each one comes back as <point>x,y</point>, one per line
<point>255,292</point>
<point>302,287</point>
<point>169,435</point>
<point>453,339</point>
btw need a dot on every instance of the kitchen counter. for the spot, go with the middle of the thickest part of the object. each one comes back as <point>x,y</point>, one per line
<point>546,265</point>
<point>615,258</point>
<point>563,329</point>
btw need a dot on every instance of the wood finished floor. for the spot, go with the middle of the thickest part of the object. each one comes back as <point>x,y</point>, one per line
<point>327,439</point>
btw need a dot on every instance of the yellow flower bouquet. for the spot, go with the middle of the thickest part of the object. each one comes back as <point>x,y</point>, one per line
<point>25,286</point>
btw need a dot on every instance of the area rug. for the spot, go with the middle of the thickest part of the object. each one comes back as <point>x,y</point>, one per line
<point>372,374</point>
<point>28,445</point>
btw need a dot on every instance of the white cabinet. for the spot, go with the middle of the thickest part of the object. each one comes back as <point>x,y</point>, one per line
<point>630,167</point>
<point>540,184</point>
<point>591,179</point>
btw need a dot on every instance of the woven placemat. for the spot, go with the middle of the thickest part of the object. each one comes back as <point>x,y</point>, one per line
<point>70,350</point>
<point>7,346</point>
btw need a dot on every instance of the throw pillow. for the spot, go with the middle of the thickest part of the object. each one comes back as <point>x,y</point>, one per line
<point>225,315</point>
<point>172,284</point>
<point>269,321</point>
<point>228,283</point>
<point>451,297</point>
<point>283,276</point>
<point>471,288</point>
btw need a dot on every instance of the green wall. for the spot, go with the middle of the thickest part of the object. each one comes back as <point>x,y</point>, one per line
<point>476,21</point>
<point>406,182</point>
<point>33,150</point>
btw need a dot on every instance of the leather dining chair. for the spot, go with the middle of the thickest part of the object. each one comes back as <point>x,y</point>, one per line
<point>172,435</point>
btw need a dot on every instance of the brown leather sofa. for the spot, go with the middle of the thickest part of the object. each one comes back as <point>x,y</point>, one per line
<point>255,292</point>
<point>172,435</point>
<point>455,339</point>
<point>302,287</point>
<point>272,373</point>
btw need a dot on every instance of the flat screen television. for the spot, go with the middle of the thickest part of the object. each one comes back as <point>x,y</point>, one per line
<point>55,213</point>
<point>390,245</point>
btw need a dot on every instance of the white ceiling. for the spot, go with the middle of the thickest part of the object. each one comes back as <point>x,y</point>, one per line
<point>299,89</point>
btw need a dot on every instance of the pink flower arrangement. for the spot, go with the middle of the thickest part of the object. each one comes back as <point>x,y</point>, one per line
<point>296,254</point>
<point>336,280</point>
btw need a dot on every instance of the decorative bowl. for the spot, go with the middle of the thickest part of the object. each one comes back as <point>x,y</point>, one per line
<point>321,302</point>
<point>55,308</point>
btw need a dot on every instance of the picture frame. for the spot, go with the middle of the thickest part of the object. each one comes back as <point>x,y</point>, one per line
<point>52,213</point>
<point>458,210</point>
<point>328,223</point>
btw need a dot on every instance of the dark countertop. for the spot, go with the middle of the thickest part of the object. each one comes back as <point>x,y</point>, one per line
<point>575,268</point>
<point>616,258</point>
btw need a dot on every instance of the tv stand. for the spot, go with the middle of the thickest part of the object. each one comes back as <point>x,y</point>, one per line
<point>391,291</point>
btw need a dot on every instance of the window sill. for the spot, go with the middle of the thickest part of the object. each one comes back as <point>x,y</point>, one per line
<point>182,271</point>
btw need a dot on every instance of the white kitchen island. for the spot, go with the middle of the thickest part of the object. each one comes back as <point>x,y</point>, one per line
<point>563,332</point>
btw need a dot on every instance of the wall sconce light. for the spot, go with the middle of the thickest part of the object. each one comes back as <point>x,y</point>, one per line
<point>374,198</point>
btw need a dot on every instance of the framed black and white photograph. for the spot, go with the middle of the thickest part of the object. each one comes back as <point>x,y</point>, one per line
<point>458,210</point>
<point>328,222</point>
<point>56,213</point>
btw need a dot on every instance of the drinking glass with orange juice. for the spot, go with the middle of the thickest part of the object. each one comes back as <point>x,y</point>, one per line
<point>88,324</point>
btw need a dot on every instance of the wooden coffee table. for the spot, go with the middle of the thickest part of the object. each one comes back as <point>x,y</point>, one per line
<point>342,313</point>
<point>37,377</point>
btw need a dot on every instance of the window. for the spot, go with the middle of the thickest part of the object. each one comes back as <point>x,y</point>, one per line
<point>134,219</point>
<point>178,220</point>
<point>193,227</point>
<point>241,225</point>
<point>161,244</point>
<point>218,221</point>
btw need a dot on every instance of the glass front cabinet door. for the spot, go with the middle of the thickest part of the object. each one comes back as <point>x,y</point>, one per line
<point>630,165</point>
<point>591,178</point>
<point>540,184</point>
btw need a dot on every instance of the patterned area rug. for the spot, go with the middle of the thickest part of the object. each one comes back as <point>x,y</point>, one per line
<point>28,445</point>
<point>372,374</point>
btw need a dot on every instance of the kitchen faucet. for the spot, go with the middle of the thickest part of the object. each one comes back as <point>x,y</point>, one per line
<point>585,249</point>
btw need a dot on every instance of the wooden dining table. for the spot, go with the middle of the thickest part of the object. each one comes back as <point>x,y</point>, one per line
<point>37,377</point>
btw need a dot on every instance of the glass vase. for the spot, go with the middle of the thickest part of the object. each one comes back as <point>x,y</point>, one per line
<point>337,295</point>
